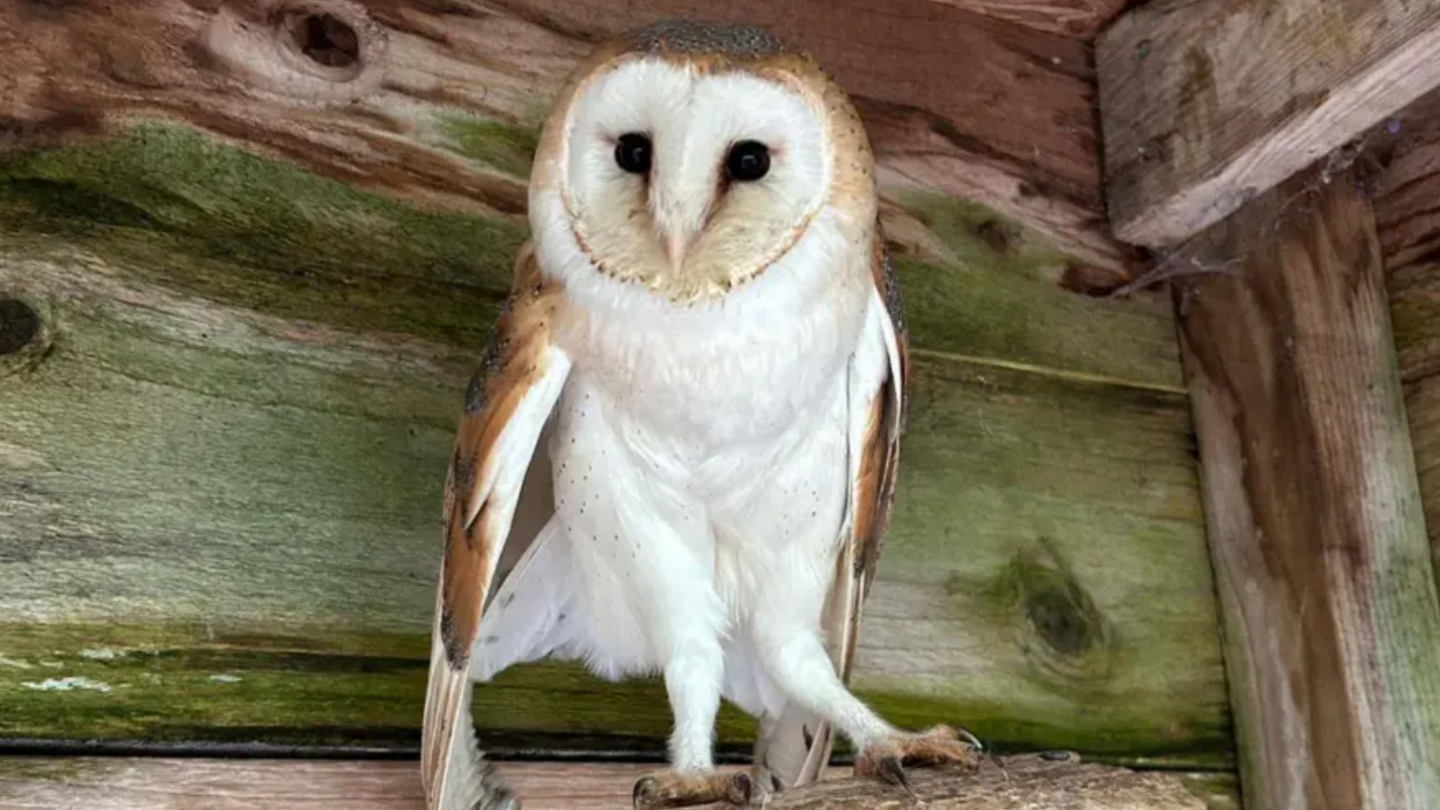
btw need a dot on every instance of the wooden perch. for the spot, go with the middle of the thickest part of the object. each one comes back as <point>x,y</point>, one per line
<point>1332,621</point>
<point>1028,783</point>
<point>1024,783</point>
<point>1206,104</point>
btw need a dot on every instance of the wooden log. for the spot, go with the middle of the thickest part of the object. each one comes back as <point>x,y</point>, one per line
<point>219,504</point>
<point>171,784</point>
<point>1332,622</point>
<point>443,100</point>
<point>1205,105</point>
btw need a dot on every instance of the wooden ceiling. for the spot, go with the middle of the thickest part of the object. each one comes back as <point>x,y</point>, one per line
<point>1075,18</point>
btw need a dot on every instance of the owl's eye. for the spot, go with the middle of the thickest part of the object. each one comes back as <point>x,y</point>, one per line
<point>632,153</point>
<point>748,161</point>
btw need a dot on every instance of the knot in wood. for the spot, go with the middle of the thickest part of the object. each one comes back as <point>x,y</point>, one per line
<point>1063,635</point>
<point>323,38</point>
<point>321,51</point>
<point>19,325</point>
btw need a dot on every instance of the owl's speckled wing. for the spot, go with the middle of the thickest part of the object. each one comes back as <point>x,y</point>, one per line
<point>506,408</point>
<point>877,423</point>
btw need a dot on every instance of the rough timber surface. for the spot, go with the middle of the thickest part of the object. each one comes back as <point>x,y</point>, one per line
<point>241,307</point>
<point>1076,18</point>
<point>1408,222</point>
<point>1208,104</point>
<point>482,75</point>
<point>1332,621</point>
<point>169,784</point>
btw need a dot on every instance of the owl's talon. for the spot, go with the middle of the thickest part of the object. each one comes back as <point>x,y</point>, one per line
<point>890,769</point>
<point>886,757</point>
<point>668,788</point>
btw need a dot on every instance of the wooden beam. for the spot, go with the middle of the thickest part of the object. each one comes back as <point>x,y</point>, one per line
<point>1332,622</point>
<point>1206,104</point>
<point>1408,223</point>
<point>1074,18</point>
<point>171,784</point>
<point>446,97</point>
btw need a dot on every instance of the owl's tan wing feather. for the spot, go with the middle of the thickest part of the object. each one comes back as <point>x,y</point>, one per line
<point>507,405</point>
<point>873,472</point>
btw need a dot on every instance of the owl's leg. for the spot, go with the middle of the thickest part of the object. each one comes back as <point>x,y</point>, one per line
<point>797,661</point>
<point>672,788</point>
<point>692,680</point>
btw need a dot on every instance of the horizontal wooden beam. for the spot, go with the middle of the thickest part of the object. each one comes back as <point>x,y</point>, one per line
<point>1204,105</point>
<point>1074,18</point>
<point>445,98</point>
<point>1332,621</point>
<point>161,784</point>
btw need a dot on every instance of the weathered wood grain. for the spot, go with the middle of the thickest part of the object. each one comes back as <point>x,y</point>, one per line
<point>442,99</point>
<point>1206,104</point>
<point>1075,18</point>
<point>170,784</point>
<point>1407,218</point>
<point>1332,622</point>
<point>219,498</point>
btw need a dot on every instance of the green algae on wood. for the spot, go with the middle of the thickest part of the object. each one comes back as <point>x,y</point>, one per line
<point>507,148</point>
<point>302,506</point>
<point>187,210</point>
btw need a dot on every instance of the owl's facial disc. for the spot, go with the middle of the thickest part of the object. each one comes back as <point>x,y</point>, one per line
<point>690,182</point>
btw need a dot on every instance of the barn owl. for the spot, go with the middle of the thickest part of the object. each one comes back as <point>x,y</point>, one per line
<point>679,452</point>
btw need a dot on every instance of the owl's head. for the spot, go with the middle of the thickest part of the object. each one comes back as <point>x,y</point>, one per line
<point>691,157</point>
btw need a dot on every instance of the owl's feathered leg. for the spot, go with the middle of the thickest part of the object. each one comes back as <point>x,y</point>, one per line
<point>692,680</point>
<point>797,661</point>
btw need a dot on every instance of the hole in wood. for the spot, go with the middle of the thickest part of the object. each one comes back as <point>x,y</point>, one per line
<point>325,39</point>
<point>19,325</point>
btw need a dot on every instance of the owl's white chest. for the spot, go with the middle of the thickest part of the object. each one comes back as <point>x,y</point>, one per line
<point>717,381</point>
<point>698,457</point>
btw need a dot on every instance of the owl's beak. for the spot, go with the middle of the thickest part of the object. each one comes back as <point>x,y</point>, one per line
<point>675,245</point>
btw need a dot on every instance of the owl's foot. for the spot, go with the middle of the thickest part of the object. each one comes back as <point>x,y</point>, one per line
<point>886,757</point>
<point>670,788</point>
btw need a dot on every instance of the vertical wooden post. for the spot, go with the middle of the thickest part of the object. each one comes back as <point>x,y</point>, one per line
<point>1332,621</point>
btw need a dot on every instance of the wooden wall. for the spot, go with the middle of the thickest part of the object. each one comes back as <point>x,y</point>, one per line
<point>239,301</point>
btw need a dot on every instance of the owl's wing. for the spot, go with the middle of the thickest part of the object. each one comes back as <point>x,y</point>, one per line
<point>879,372</point>
<point>506,407</point>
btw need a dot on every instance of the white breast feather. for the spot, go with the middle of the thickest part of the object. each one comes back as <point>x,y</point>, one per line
<point>701,459</point>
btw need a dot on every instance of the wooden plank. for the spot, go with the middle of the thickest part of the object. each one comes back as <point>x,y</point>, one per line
<point>1331,615</point>
<point>219,504</point>
<point>1206,104</point>
<point>447,96</point>
<point>175,784</point>
<point>1074,18</point>
<point>1409,228</point>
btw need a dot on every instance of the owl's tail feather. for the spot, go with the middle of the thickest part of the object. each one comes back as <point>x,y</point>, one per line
<point>792,749</point>
<point>456,775</point>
